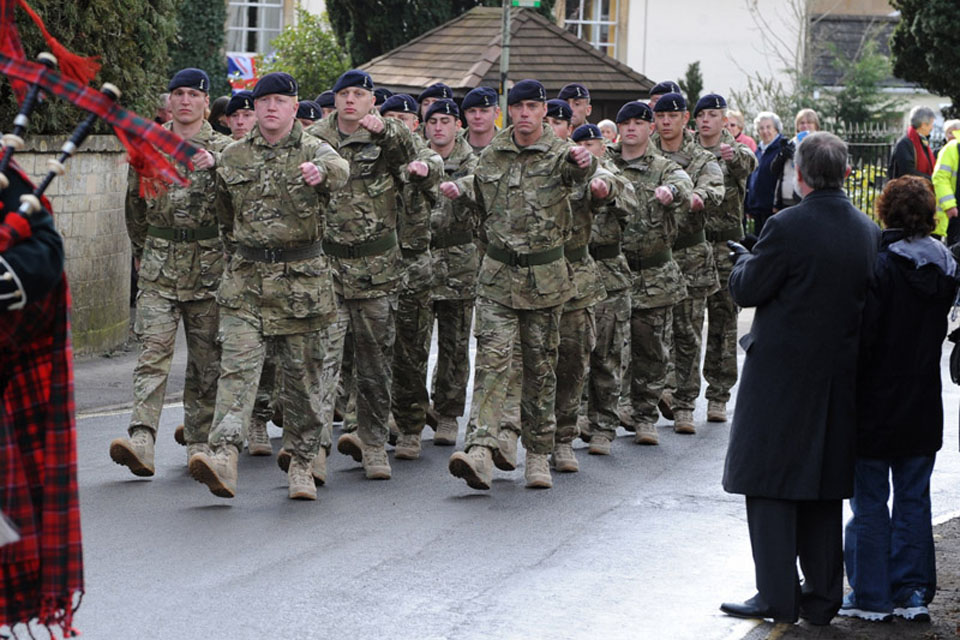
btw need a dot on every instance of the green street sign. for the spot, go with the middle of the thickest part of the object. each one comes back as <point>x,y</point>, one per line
<point>526,3</point>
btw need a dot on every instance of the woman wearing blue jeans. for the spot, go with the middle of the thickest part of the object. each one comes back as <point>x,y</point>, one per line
<point>890,557</point>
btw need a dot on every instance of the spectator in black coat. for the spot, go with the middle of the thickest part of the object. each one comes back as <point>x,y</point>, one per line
<point>762,183</point>
<point>912,155</point>
<point>890,561</point>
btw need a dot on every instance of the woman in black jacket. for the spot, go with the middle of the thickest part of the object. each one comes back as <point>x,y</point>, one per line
<point>890,561</point>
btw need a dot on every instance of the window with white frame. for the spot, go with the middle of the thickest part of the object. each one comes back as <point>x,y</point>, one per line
<point>595,21</point>
<point>253,24</point>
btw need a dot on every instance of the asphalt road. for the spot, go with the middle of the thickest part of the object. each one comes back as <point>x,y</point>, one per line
<point>641,544</point>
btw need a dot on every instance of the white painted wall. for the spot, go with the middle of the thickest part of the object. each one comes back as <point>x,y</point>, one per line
<point>314,6</point>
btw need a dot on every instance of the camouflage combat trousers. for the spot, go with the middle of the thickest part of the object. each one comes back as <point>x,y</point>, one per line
<point>155,325</point>
<point>452,372</point>
<point>510,418</point>
<point>496,329</point>
<point>410,354</point>
<point>372,322</point>
<point>648,361</point>
<point>687,340</point>
<point>268,392</point>
<point>347,384</point>
<point>335,336</point>
<point>604,384</point>
<point>720,360</point>
<point>578,336</point>
<point>300,359</point>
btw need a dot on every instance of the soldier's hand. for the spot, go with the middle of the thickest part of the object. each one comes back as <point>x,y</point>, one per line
<point>450,190</point>
<point>311,174</point>
<point>663,194</point>
<point>372,123</point>
<point>951,212</point>
<point>580,156</point>
<point>599,188</point>
<point>418,168</point>
<point>203,159</point>
<point>737,250</point>
<point>696,203</point>
<point>726,152</point>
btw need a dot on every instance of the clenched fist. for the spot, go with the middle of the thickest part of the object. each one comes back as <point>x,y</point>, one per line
<point>450,190</point>
<point>581,156</point>
<point>203,159</point>
<point>663,194</point>
<point>599,188</point>
<point>372,123</point>
<point>311,174</point>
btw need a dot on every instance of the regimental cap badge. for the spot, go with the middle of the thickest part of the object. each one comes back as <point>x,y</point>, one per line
<point>201,84</point>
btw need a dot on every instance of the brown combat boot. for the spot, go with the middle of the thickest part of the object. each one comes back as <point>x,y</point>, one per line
<point>646,434</point>
<point>180,435</point>
<point>474,466</point>
<point>196,447</point>
<point>537,473</point>
<point>446,432</point>
<point>318,466</point>
<point>408,446</point>
<point>626,420</point>
<point>684,422</point>
<point>375,463</point>
<point>258,442</point>
<point>349,444</point>
<point>135,452</point>
<point>716,411</point>
<point>583,428</point>
<point>300,480</point>
<point>217,470</point>
<point>600,444</point>
<point>564,459</point>
<point>505,456</point>
<point>665,405</point>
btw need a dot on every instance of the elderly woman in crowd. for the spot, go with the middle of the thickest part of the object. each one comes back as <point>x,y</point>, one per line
<point>890,560</point>
<point>735,124</point>
<point>912,155</point>
<point>806,121</point>
<point>609,130</point>
<point>762,184</point>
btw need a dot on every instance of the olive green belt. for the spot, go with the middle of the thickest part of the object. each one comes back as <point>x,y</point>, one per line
<point>443,241</point>
<point>180,234</point>
<point>650,262</point>
<point>689,240</point>
<point>506,256</point>
<point>575,254</point>
<point>605,251</point>
<point>373,248</point>
<point>733,233</point>
<point>267,254</point>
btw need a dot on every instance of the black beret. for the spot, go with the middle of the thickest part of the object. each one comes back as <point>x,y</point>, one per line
<point>436,90</point>
<point>527,90</point>
<point>354,78</point>
<point>709,101</point>
<point>278,82</point>
<point>325,99</point>
<point>479,97</point>
<point>559,109</point>
<point>573,90</point>
<point>635,109</point>
<point>670,102</point>
<point>309,110</point>
<point>190,78</point>
<point>400,102</point>
<point>239,100</point>
<point>667,86</point>
<point>443,107</point>
<point>587,132</point>
<point>381,95</point>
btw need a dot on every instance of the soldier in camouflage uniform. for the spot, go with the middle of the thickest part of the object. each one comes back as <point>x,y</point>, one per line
<point>663,190</point>
<point>176,241</point>
<point>723,223</point>
<point>522,185</point>
<point>613,313</point>
<point>436,91</point>
<point>415,309</point>
<point>480,111</point>
<point>277,290</point>
<point>361,239</point>
<point>691,250</point>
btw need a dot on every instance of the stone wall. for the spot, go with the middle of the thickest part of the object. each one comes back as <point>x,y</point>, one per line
<point>88,210</point>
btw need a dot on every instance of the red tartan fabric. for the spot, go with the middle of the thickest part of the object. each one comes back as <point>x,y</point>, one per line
<point>41,576</point>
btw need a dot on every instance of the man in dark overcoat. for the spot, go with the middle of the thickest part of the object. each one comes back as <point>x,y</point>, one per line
<point>791,448</point>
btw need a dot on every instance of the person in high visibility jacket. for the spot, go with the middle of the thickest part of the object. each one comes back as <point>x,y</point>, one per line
<point>945,186</point>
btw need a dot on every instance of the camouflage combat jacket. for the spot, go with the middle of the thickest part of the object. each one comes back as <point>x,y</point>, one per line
<point>606,235</point>
<point>453,227</point>
<point>267,205</point>
<point>652,229</point>
<point>418,197</point>
<point>726,220</point>
<point>691,250</point>
<point>523,194</point>
<point>361,233</point>
<point>187,262</point>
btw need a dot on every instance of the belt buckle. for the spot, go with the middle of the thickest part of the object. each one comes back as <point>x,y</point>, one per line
<point>272,255</point>
<point>181,235</point>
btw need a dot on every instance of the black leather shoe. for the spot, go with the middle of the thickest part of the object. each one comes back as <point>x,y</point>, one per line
<point>752,608</point>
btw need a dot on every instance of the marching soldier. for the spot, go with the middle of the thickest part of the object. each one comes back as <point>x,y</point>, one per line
<point>326,102</point>
<point>578,97</point>
<point>723,223</point>
<point>661,89</point>
<point>436,91</point>
<point>240,115</point>
<point>663,189</point>
<point>308,112</point>
<point>480,111</point>
<point>521,186</point>
<point>404,108</point>
<point>277,291</point>
<point>691,250</point>
<point>176,242</point>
